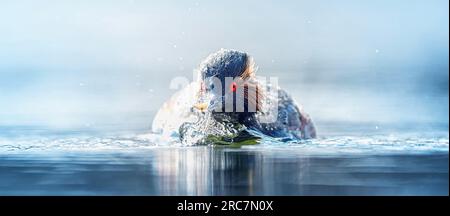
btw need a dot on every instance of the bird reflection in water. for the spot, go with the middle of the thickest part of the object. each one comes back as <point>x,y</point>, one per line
<point>222,171</point>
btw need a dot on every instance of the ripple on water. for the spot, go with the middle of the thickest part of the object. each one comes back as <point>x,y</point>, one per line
<point>373,144</point>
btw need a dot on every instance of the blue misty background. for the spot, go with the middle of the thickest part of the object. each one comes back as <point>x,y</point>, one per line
<point>90,64</point>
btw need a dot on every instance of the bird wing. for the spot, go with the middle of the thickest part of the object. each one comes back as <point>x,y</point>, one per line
<point>291,119</point>
<point>175,111</point>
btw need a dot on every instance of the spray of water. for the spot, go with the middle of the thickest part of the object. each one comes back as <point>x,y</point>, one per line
<point>208,129</point>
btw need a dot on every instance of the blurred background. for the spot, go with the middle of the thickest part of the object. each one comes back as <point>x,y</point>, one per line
<point>94,64</point>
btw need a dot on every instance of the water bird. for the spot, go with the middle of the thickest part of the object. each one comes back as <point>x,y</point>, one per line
<point>228,103</point>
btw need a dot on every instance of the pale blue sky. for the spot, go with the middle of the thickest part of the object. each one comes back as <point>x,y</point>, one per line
<point>75,63</point>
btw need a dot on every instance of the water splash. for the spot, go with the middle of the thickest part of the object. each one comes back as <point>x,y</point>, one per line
<point>208,127</point>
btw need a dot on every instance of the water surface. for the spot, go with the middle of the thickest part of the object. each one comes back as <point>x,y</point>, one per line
<point>42,162</point>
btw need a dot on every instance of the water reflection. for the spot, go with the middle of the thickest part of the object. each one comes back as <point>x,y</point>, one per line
<point>212,171</point>
<point>218,171</point>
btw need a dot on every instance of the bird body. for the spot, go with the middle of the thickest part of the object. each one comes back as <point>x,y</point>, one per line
<point>228,101</point>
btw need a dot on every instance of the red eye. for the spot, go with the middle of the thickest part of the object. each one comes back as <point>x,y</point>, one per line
<point>233,87</point>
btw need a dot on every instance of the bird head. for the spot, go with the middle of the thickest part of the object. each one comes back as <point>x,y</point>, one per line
<point>228,84</point>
